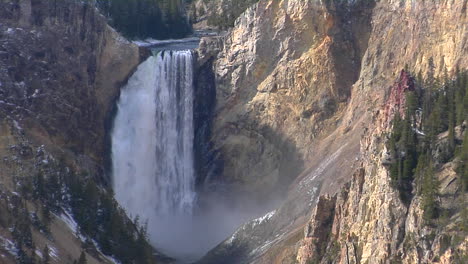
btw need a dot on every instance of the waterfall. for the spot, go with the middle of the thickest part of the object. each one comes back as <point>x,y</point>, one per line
<point>152,146</point>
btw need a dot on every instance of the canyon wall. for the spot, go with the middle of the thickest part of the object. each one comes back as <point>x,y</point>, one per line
<point>304,83</point>
<point>282,86</point>
<point>63,68</point>
<point>367,222</point>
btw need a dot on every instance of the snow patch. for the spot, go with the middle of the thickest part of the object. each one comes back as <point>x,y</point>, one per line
<point>17,126</point>
<point>39,253</point>
<point>251,224</point>
<point>69,221</point>
<point>419,132</point>
<point>321,168</point>
<point>35,94</point>
<point>264,218</point>
<point>67,218</point>
<point>53,252</point>
<point>9,246</point>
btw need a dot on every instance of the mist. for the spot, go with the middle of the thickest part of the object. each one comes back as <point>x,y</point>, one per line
<point>189,237</point>
<point>153,164</point>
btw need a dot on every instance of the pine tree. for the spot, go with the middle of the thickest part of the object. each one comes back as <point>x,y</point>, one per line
<point>82,259</point>
<point>463,167</point>
<point>430,190</point>
<point>46,255</point>
<point>39,187</point>
<point>411,105</point>
<point>420,171</point>
<point>395,136</point>
<point>46,216</point>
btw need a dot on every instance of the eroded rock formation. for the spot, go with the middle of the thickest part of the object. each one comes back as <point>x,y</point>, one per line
<point>308,81</point>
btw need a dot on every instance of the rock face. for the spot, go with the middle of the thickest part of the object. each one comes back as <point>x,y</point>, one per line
<point>306,83</point>
<point>283,85</point>
<point>62,70</point>
<point>216,15</point>
<point>372,225</point>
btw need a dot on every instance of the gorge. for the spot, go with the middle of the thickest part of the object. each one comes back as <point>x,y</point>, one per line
<point>153,165</point>
<point>307,132</point>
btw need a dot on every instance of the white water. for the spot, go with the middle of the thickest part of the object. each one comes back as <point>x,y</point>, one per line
<point>152,149</point>
<point>153,165</point>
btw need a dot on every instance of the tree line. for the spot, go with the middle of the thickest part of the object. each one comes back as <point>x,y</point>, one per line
<point>140,19</point>
<point>101,221</point>
<point>231,11</point>
<point>416,144</point>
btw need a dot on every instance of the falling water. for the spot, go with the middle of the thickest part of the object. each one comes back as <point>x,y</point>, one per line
<point>152,147</point>
<point>153,163</point>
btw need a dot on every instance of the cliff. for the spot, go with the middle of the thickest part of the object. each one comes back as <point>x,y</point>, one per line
<point>300,87</point>
<point>370,223</point>
<point>216,15</point>
<point>282,86</point>
<point>61,70</point>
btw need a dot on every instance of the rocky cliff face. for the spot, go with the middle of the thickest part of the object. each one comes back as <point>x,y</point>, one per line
<point>372,225</point>
<point>307,82</point>
<point>62,70</point>
<point>283,85</point>
<point>217,15</point>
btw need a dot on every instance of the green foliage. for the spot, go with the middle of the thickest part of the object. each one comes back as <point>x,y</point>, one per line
<point>402,146</point>
<point>429,191</point>
<point>158,19</point>
<point>443,106</point>
<point>21,231</point>
<point>97,214</point>
<point>82,259</point>
<point>46,255</point>
<point>231,12</point>
<point>463,167</point>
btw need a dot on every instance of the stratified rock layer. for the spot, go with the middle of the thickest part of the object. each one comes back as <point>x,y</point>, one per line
<point>307,82</point>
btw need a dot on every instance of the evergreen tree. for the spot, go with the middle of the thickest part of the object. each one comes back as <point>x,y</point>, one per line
<point>463,167</point>
<point>443,108</point>
<point>46,255</point>
<point>39,187</point>
<point>420,171</point>
<point>82,259</point>
<point>22,227</point>
<point>46,216</point>
<point>430,189</point>
<point>395,172</point>
<point>142,19</point>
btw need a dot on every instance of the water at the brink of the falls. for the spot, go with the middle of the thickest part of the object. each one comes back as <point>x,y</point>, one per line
<point>152,150</point>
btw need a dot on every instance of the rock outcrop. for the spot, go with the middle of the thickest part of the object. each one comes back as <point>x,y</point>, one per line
<point>283,85</point>
<point>307,82</point>
<point>216,15</point>
<point>63,68</point>
<point>371,224</point>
